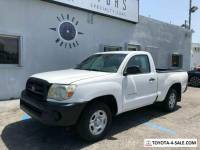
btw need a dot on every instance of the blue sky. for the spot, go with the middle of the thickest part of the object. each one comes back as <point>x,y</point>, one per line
<point>174,11</point>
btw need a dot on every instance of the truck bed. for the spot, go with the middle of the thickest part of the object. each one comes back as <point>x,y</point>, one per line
<point>168,70</point>
<point>168,77</point>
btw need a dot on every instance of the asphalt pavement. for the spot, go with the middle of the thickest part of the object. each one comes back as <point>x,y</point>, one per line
<point>20,132</point>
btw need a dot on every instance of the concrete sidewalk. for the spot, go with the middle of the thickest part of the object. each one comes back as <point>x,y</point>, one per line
<point>9,105</point>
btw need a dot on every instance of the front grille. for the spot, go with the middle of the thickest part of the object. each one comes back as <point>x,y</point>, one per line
<point>37,88</point>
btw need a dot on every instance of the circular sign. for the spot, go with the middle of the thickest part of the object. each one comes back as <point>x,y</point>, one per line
<point>67,31</point>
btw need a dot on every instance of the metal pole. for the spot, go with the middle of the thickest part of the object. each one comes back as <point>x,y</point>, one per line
<point>190,13</point>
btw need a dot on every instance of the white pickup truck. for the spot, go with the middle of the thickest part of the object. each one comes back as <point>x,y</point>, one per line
<point>102,86</point>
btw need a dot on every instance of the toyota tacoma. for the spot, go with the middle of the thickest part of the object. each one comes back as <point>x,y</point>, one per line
<point>102,86</point>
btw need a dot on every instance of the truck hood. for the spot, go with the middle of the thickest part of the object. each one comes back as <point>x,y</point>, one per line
<point>68,76</point>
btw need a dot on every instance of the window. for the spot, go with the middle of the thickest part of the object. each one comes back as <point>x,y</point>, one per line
<point>9,49</point>
<point>133,47</point>
<point>196,49</point>
<point>177,60</point>
<point>141,61</point>
<point>112,48</point>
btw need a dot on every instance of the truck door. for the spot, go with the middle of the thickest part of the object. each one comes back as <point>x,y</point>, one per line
<point>140,89</point>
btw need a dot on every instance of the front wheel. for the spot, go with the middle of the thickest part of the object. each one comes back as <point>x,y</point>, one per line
<point>170,102</point>
<point>94,122</point>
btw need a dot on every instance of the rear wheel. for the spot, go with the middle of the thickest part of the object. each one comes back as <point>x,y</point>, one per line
<point>170,102</point>
<point>194,81</point>
<point>94,122</point>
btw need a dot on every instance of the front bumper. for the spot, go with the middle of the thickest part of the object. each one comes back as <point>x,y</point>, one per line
<point>51,113</point>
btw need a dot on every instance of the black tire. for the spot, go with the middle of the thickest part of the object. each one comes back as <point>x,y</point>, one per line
<point>83,126</point>
<point>194,81</point>
<point>170,105</point>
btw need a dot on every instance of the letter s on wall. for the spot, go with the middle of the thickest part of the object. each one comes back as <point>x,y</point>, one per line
<point>124,3</point>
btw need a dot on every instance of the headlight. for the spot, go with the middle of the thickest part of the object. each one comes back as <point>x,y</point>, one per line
<point>61,92</point>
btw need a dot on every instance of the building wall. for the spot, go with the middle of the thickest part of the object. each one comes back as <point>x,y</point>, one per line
<point>33,19</point>
<point>195,56</point>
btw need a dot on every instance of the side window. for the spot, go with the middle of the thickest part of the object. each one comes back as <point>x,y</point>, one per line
<point>9,49</point>
<point>140,61</point>
<point>177,60</point>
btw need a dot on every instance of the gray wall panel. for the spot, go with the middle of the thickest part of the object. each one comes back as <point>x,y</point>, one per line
<point>32,19</point>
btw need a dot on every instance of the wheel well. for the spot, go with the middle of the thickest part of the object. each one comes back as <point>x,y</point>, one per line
<point>108,100</point>
<point>177,87</point>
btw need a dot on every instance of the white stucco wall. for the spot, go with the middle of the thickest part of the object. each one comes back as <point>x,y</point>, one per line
<point>32,19</point>
<point>195,55</point>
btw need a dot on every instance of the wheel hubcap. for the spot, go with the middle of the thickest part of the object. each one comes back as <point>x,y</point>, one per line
<point>172,100</point>
<point>98,122</point>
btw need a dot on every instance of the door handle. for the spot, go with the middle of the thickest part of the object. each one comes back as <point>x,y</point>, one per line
<point>152,80</point>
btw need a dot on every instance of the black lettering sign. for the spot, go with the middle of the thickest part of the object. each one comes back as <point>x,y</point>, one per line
<point>116,3</point>
<point>108,2</point>
<point>124,3</point>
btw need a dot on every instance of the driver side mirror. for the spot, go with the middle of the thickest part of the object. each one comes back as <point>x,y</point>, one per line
<point>132,70</point>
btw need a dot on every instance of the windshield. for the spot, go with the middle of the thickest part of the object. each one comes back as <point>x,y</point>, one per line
<point>102,63</point>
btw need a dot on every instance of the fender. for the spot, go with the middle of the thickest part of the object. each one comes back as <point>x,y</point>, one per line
<point>88,92</point>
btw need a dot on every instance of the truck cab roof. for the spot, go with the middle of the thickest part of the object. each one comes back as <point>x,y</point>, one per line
<point>124,52</point>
